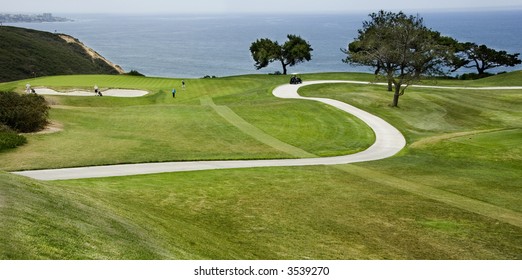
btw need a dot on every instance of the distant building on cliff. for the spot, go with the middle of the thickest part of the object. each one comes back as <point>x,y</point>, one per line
<point>15,18</point>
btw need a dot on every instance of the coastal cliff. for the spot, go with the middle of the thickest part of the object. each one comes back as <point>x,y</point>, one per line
<point>27,53</point>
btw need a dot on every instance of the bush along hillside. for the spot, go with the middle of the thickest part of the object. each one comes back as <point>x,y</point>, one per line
<point>9,139</point>
<point>20,113</point>
<point>26,53</point>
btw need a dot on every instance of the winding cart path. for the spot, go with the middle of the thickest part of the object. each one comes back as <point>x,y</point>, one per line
<point>388,142</point>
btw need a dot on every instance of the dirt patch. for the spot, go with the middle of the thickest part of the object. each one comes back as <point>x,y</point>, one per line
<point>52,127</point>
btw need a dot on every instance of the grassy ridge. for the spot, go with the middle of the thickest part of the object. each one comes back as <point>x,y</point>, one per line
<point>41,221</point>
<point>28,53</point>
<point>461,143</point>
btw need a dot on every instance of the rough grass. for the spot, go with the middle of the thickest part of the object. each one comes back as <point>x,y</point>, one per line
<point>453,193</point>
<point>42,221</point>
<point>270,213</point>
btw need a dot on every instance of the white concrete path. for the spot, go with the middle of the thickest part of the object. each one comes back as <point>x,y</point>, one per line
<point>389,141</point>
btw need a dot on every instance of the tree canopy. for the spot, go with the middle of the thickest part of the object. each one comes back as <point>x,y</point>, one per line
<point>292,52</point>
<point>400,48</point>
<point>482,58</point>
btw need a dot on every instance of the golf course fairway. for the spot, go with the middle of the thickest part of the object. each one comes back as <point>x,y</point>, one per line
<point>452,190</point>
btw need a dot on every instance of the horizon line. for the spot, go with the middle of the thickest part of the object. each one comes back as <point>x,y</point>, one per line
<point>513,8</point>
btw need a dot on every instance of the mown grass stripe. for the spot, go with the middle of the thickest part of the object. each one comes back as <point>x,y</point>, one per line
<point>247,128</point>
<point>459,201</point>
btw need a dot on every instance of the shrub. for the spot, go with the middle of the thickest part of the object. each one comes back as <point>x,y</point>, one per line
<point>10,139</point>
<point>135,73</point>
<point>23,113</point>
<point>474,76</point>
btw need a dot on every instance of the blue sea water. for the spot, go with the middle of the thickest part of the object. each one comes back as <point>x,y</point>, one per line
<point>193,46</point>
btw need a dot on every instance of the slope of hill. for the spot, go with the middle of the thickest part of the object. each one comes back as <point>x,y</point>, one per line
<point>453,193</point>
<point>26,53</point>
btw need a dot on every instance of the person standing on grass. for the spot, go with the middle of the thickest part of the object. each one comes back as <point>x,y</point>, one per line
<point>183,84</point>
<point>173,93</point>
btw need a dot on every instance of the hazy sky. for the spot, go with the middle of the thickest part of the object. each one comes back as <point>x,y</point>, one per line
<point>243,6</point>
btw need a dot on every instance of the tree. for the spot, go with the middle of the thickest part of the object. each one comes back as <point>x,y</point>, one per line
<point>400,48</point>
<point>292,52</point>
<point>482,58</point>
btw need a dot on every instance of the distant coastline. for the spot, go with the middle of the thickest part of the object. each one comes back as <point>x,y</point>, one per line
<point>18,18</point>
<point>179,45</point>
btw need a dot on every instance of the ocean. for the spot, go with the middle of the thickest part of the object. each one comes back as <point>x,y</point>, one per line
<point>193,46</point>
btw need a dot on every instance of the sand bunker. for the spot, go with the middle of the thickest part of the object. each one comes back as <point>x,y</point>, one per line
<point>109,92</point>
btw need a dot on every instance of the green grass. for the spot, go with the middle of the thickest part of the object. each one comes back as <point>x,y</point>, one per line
<point>43,221</point>
<point>269,213</point>
<point>462,141</point>
<point>334,133</point>
<point>124,135</point>
<point>157,127</point>
<point>453,193</point>
<point>428,112</point>
<point>484,166</point>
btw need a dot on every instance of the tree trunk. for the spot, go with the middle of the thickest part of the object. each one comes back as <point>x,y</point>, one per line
<point>389,77</point>
<point>284,67</point>
<point>396,96</point>
<point>480,70</point>
<point>480,67</point>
